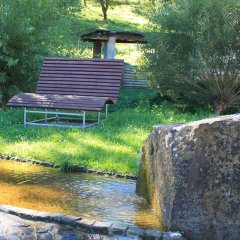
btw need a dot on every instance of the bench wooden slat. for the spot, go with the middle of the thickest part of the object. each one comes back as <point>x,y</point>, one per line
<point>52,101</point>
<point>59,104</point>
<point>55,106</point>
<point>82,65</point>
<point>45,103</point>
<point>109,77</point>
<point>87,63</point>
<point>78,87</point>
<point>82,59</point>
<point>92,72</point>
<point>76,93</point>
<point>85,83</point>
<point>56,101</point>
<point>74,78</point>
<point>55,96</point>
<point>30,100</point>
<point>69,83</point>
<point>115,67</point>
<point>109,70</point>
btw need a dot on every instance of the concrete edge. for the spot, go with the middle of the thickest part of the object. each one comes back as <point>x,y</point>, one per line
<point>91,226</point>
<point>72,169</point>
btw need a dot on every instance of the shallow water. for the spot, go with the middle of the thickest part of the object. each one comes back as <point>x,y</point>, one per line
<point>80,194</point>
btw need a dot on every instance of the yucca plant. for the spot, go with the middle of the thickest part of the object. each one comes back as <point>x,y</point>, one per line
<point>221,90</point>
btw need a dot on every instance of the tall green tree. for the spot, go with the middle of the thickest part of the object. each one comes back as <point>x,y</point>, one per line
<point>22,24</point>
<point>194,51</point>
<point>24,40</point>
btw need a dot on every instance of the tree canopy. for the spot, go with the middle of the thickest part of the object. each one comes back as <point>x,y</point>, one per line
<point>24,38</point>
<point>194,51</point>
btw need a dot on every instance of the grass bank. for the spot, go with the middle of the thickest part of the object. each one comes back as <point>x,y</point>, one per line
<point>111,146</point>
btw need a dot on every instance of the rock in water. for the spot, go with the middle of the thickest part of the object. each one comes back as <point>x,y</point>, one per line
<point>190,173</point>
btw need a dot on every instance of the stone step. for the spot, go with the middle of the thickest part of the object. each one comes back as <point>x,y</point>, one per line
<point>133,77</point>
<point>134,86</point>
<point>134,74</point>
<point>133,71</point>
<point>135,82</point>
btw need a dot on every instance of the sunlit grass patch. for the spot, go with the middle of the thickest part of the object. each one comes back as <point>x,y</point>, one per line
<point>114,145</point>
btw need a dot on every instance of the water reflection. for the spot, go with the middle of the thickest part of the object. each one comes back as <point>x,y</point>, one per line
<point>91,196</point>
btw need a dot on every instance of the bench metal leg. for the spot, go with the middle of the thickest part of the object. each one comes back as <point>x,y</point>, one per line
<point>25,117</point>
<point>99,117</point>
<point>84,119</point>
<point>106,111</point>
<point>46,121</point>
<point>57,116</point>
<point>45,115</point>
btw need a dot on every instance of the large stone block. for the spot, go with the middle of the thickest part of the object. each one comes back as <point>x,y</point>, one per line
<point>190,173</point>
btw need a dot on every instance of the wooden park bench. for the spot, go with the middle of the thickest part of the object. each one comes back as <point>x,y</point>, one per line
<point>72,84</point>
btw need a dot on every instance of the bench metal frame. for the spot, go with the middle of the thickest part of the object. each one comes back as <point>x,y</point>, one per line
<point>45,121</point>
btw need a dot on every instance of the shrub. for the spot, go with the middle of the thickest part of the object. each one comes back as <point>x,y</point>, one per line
<point>25,37</point>
<point>194,51</point>
<point>22,27</point>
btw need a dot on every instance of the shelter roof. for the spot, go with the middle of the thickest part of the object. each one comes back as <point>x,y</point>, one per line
<point>121,36</point>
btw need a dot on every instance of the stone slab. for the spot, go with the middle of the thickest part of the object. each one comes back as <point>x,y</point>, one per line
<point>190,173</point>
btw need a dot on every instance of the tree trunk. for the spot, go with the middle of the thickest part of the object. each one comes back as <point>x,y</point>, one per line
<point>104,5</point>
<point>85,3</point>
<point>104,11</point>
<point>105,15</point>
<point>218,108</point>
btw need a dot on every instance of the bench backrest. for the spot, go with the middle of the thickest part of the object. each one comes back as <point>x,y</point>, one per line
<point>84,77</point>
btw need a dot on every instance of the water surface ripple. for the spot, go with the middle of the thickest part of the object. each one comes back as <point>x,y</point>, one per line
<point>79,194</point>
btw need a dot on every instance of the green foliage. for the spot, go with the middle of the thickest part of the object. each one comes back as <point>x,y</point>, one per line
<point>67,6</point>
<point>22,24</point>
<point>25,31</point>
<point>194,51</point>
<point>31,29</point>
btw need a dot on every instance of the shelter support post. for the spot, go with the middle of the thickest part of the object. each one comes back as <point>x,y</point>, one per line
<point>109,51</point>
<point>97,49</point>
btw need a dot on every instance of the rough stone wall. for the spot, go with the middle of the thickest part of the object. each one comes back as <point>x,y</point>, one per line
<point>190,173</point>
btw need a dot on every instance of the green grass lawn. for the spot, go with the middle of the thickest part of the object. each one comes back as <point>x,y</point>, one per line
<point>111,146</point>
